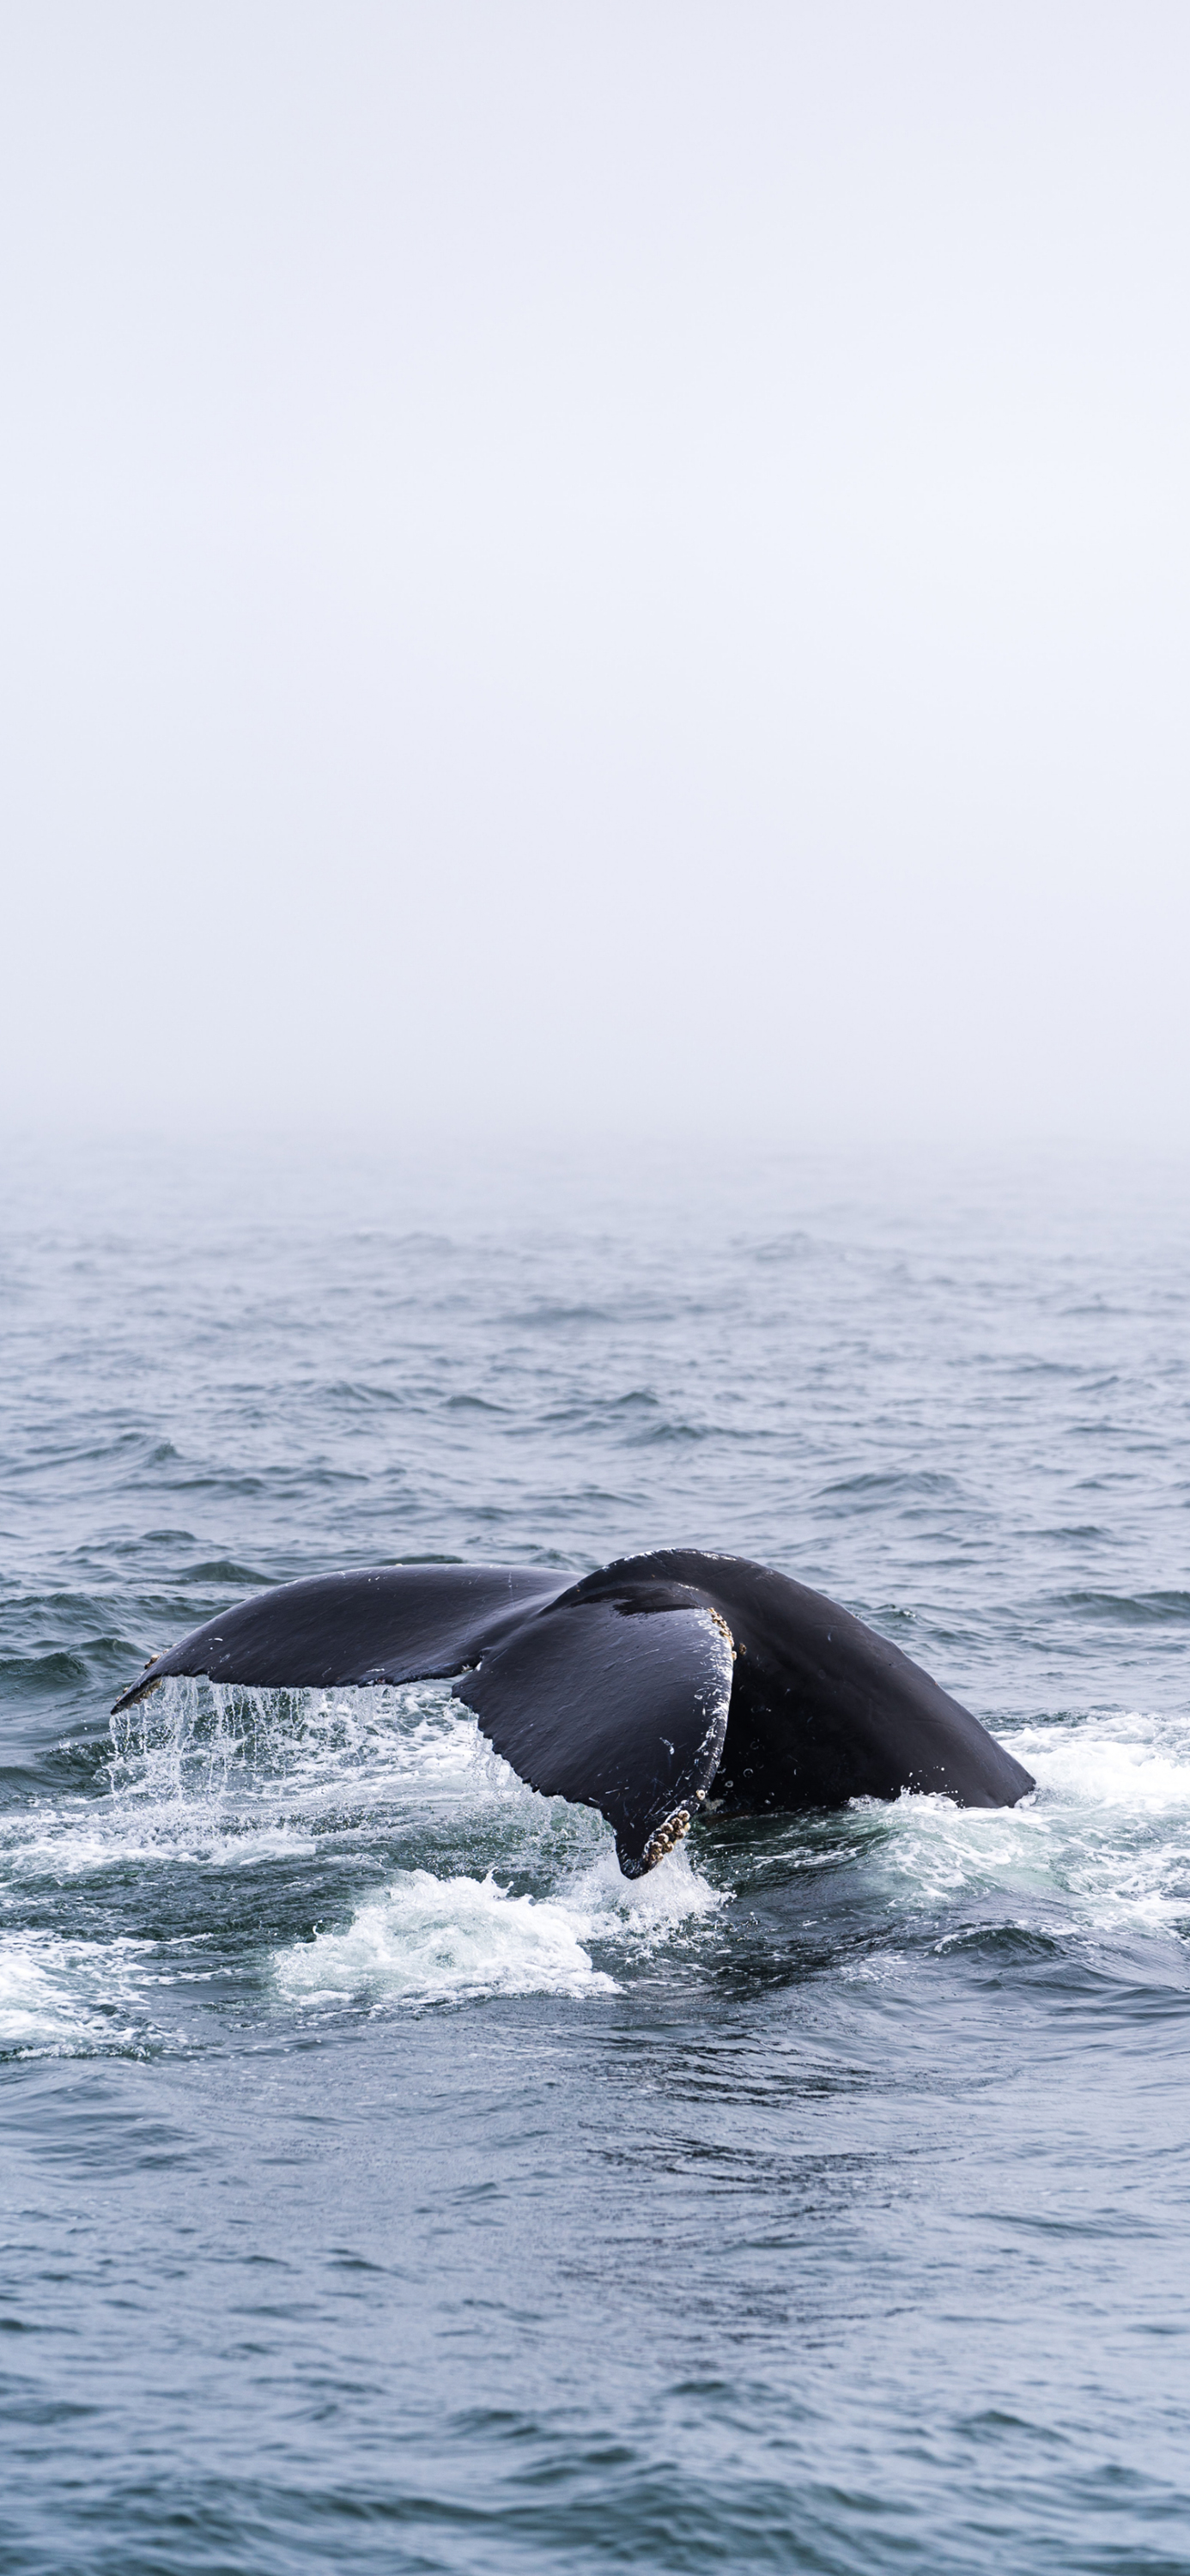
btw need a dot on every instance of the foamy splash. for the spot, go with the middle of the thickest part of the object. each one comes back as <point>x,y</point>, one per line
<point>1102,1845</point>
<point>642,1913</point>
<point>228,1754</point>
<point>203,1772</point>
<point>435,1940</point>
<point>430,1939</point>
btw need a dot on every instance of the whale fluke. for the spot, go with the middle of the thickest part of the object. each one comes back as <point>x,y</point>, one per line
<point>655,1689</point>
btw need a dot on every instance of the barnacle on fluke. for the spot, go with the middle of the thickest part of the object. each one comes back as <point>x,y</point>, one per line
<point>659,1685</point>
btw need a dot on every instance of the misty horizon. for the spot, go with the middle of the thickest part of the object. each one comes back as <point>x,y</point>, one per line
<point>598,573</point>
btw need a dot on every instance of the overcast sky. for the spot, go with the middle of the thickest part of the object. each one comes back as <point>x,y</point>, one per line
<point>597,563</point>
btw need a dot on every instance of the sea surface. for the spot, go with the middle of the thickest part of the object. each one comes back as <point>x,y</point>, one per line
<point>387,2184</point>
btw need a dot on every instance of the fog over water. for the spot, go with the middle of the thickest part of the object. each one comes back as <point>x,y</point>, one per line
<point>596,566</point>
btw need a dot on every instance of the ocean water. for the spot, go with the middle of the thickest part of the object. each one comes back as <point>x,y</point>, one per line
<point>387,2184</point>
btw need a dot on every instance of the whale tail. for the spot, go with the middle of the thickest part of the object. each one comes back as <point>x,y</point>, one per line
<point>616,1691</point>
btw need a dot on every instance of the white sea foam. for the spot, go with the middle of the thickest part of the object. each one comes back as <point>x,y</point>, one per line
<point>672,1898</point>
<point>1104,1835</point>
<point>438,1940</point>
<point>1112,1762</point>
<point>60,1997</point>
<point>449,1939</point>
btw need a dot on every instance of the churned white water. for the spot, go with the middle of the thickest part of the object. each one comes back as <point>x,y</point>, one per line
<point>430,1939</point>
<point>73,1997</point>
<point>1105,1836</point>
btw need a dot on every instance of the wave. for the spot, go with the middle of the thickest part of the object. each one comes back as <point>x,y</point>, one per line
<point>24,1677</point>
<point>222,1569</point>
<point>1133,1609</point>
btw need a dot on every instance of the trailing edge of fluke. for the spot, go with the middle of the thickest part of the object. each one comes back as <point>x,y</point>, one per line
<point>660,1688</point>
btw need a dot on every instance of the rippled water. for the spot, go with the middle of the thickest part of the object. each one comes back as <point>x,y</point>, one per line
<point>388,2183</point>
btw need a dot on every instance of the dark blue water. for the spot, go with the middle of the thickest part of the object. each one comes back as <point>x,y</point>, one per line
<point>388,2184</point>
